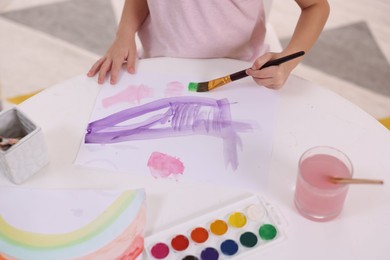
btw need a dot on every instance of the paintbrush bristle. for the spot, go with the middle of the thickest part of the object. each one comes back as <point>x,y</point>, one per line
<point>198,87</point>
<point>192,86</point>
<point>203,87</point>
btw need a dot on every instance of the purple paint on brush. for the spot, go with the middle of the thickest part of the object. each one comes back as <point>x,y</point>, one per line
<point>179,116</point>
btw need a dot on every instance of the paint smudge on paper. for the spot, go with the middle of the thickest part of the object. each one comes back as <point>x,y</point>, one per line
<point>163,165</point>
<point>170,117</point>
<point>174,88</point>
<point>132,94</point>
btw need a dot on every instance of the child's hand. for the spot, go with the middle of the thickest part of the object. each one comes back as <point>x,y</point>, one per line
<point>272,77</point>
<point>121,51</point>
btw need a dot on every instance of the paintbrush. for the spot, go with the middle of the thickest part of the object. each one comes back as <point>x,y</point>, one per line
<point>354,181</point>
<point>215,83</point>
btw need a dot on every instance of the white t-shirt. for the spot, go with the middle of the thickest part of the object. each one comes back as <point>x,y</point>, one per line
<point>204,29</point>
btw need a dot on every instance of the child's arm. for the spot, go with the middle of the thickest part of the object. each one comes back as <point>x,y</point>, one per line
<point>123,48</point>
<point>309,26</point>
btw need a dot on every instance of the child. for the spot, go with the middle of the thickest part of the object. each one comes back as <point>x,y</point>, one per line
<point>207,29</point>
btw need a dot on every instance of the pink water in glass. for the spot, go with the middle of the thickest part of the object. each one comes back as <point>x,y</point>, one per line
<point>316,197</point>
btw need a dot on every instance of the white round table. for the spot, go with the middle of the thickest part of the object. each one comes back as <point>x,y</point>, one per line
<point>308,115</point>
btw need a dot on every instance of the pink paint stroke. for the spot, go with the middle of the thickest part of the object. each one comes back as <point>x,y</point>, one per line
<point>132,94</point>
<point>163,165</point>
<point>174,88</point>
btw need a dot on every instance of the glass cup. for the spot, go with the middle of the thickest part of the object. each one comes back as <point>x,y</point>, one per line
<point>316,196</point>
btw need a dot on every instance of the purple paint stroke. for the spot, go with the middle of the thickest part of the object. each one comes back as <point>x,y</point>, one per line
<point>180,116</point>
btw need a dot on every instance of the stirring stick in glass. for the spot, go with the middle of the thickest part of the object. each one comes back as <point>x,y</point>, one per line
<point>354,181</point>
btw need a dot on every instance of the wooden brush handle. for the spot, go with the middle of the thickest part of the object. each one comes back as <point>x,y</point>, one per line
<point>355,181</point>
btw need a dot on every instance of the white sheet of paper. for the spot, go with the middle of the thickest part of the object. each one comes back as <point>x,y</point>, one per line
<point>202,156</point>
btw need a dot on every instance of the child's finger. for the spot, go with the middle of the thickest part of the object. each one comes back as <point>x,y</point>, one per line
<point>263,73</point>
<point>104,69</point>
<point>95,67</point>
<point>271,82</point>
<point>131,61</point>
<point>261,61</point>
<point>115,68</point>
<point>130,67</point>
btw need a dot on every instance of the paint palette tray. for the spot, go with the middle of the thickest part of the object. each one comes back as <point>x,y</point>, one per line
<point>234,231</point>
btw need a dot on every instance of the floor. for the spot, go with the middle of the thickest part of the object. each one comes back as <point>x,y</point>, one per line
<point>45,45</point>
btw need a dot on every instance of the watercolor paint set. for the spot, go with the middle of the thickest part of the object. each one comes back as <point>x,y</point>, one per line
<point>234,231</point>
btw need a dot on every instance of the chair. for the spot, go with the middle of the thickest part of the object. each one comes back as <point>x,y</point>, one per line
<point>385,122</point>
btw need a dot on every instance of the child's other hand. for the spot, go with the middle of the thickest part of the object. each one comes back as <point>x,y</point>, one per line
<point>272,77</point>
<point>121,51</point>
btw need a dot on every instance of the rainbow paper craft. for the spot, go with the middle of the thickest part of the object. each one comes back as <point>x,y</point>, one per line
<point>71,224</point>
